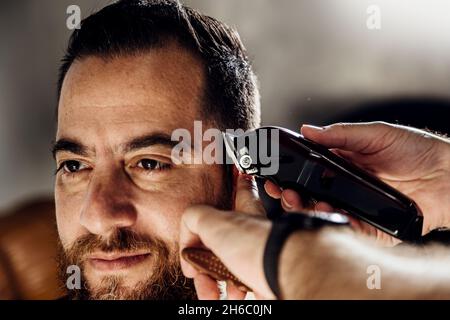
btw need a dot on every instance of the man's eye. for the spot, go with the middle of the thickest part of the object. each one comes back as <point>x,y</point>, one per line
<point>71,166</point>
<point>150,164</point>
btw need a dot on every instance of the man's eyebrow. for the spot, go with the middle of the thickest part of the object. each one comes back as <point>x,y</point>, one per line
<point>70,146</point>
<point>149,140</point>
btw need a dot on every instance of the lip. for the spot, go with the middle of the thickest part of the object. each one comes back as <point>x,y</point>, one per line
<point>116,261</point>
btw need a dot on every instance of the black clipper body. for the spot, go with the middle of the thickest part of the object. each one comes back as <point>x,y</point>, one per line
<point>320,175</point>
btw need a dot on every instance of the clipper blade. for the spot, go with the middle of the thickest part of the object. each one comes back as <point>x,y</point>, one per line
<point>229,140</point>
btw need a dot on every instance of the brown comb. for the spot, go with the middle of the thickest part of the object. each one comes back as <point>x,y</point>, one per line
<point>206,262</point>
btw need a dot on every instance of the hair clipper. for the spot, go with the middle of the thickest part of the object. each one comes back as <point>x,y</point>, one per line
<point>293,162</point>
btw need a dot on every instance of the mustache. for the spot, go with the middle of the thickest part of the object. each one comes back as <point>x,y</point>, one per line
<point>122,240</point>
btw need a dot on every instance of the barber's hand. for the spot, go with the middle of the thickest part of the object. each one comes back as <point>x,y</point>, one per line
<point>413,161</point>
<point>237,238</point>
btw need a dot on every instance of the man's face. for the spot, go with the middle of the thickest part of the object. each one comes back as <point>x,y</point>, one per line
<point>119,198</point>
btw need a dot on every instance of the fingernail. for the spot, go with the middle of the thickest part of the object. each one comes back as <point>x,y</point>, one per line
<point>286,201</point>
<point>317,128</point>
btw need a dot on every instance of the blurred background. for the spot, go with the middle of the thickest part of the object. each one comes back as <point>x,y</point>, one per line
<point>317,62</point>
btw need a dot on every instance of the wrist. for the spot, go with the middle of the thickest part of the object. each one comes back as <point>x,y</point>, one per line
<point>306,262</point>
<point>295,262</point>
<point>283,239</point>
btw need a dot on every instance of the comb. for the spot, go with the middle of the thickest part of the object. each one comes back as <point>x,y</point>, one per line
<point>206,262</point>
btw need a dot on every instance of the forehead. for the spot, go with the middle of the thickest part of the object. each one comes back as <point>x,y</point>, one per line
<point>159,90</point>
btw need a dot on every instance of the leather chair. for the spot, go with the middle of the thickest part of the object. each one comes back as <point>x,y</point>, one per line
<point>28,246</point>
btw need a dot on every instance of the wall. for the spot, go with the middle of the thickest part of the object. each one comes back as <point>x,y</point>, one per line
<point>314,59</point>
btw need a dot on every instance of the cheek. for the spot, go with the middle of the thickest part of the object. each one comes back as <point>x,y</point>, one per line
<point>160,213</point>
<point>67,210</point>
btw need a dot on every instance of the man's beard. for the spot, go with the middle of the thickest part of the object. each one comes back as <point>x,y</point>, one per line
<point>166,282</point>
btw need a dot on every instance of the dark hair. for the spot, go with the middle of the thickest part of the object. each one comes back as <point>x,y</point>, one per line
<point>231,96</point>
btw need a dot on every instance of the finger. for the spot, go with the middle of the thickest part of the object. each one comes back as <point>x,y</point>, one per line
<point>204,226</point>
<point>247,198</point>
<point>188,270</point>
<point>361,160</point>
<point>259,296</point>
<point>355,224</point>
<point>368,229</point>
<point>347,155</point>
<point>323,207</point>
<point>188,238</point>
<point>215,229</point>
<point>361,227</point>
<point>291,201</point>
<point>231,237</point>
<point>272,189</point>
<point>233,293</point>
<point>357,137</point>
<point>206,288</point>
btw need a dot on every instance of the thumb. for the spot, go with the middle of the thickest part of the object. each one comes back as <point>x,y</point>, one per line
<point>247,198</point>
<point>356,137</point>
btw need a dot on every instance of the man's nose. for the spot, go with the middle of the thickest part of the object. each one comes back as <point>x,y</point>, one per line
<point>108,204</point>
